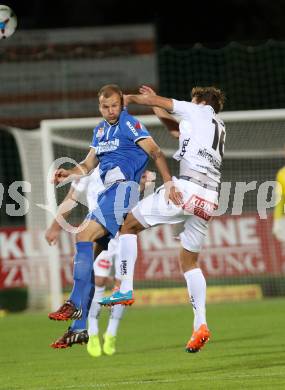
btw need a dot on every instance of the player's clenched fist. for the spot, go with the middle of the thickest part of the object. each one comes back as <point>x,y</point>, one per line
<point>60,175</point>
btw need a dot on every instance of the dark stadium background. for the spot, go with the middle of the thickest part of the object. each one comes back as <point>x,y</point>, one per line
<point>213,23</point>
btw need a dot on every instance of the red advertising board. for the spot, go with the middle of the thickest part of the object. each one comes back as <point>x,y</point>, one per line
<point>235,246</point>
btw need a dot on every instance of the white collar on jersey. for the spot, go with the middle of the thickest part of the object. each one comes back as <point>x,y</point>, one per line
<point>111,124</point>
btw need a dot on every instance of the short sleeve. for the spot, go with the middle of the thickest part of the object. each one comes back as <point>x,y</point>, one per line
<point>133,128</point>
<point>183,109</point>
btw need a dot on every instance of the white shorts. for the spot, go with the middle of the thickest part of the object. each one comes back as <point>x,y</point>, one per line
<point>198,208</point>
<point>104,261</point>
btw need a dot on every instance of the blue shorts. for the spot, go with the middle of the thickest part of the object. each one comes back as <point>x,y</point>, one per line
<point>114,204</point>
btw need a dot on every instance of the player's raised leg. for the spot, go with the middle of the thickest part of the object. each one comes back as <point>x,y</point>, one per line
<point>77,332</point>
<point>127,258</point>
<point>150,211</point>
<point>83,263</point>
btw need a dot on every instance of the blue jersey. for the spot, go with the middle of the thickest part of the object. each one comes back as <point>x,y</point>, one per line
<point>117,151</point>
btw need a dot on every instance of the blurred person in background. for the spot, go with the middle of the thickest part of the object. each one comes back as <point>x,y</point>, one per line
<point>106,257</point>
<point>278,229</point>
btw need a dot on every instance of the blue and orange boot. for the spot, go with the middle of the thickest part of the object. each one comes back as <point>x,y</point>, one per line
<point>118,298</point>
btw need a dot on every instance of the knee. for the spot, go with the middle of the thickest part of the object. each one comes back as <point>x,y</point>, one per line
<point>100,281</point>
<point>83,236</point>
<point>90,231</point>
<point>131,226</point>
<point>188,260</point>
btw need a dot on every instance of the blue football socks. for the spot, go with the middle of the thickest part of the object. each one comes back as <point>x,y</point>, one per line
<point>79,325</point>
<point>83,265</point>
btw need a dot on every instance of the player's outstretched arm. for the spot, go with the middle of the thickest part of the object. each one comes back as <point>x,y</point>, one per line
<point>81,169</point>
<point>52,233</point>
<point>150,147</point>
<point>149,100</point>
<point>165,118</point>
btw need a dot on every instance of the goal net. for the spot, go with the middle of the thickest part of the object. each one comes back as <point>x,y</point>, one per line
<point>239,247</point>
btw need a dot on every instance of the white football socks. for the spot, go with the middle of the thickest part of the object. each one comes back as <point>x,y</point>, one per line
<point>127,259</point>
<point>94,312</point>
<point>114,320</point>
<point>196,284</point>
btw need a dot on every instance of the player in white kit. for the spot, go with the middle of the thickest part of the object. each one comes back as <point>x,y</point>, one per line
<point>201,147</point>
<point>90,186</point>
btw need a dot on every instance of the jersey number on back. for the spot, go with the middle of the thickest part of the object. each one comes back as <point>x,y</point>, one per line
<point>219,138</point>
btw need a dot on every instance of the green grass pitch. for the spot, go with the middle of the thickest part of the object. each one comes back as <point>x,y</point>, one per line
<point>247,351</point>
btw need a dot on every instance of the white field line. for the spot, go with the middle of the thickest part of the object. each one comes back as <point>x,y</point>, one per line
<point>160,381</point>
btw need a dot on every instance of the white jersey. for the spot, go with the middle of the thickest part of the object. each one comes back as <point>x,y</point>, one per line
<point>201,139</point>
<point>92,185</point>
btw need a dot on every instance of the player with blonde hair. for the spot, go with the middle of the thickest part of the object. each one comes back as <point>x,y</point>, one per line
<point>201,148</point>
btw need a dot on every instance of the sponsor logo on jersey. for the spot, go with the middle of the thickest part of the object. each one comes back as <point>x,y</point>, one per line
<point>209,157</point>
<point>100,132</point>
<point>131,127</point>
<point>184,146</point>
<point>200,207</point>
<point>107,146</point>
<point>138,126</point>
